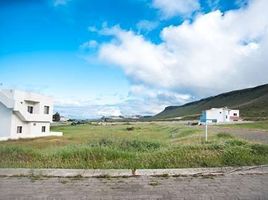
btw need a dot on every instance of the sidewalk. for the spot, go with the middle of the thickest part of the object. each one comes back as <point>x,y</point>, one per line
<point>13,172</point>
<point>233,185</point>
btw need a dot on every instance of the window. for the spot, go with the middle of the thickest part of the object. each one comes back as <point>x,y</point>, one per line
<point>30,109</point>
<point>43,129</point>
<point>19,129</point>
<point>235,114</point>
<point>46,110</point>
<point>226,116</point>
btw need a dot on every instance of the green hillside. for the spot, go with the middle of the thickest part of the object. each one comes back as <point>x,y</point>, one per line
<point>252,103</point>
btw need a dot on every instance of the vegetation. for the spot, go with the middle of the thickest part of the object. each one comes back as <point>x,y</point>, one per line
<point>56,117</point>
<point>252,103</point>
<point>135,145</point>
<point>261,125</point>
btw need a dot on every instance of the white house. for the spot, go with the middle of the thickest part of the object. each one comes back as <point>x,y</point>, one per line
<point>219,115</point>
<point>63,119</point>
<point>25,115</point>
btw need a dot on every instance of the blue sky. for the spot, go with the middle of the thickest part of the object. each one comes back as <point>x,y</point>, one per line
<point>111,57</point>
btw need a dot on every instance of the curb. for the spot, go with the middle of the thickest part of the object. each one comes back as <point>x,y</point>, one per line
<point>102,173</point>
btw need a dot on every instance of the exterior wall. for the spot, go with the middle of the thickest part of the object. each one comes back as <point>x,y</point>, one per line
<point>219,115</point>
<point>38,102</point>
<point>5,121</point>
<point>15,122</point>
<point>36,128</point>
<point>234,115</point>
<point>14,113</point>
<point>213,115</point>
<point>226,115</point>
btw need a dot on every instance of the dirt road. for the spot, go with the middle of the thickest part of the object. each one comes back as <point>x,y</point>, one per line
<point>252,135</point>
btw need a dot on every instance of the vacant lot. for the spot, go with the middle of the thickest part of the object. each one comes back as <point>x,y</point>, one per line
<point>262,125</point>
<point>132,145</point>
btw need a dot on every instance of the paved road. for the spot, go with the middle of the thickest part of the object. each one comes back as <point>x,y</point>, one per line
<point>230,186</point>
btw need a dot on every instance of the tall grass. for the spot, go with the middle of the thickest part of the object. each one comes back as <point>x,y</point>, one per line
<point>134,154</point>
<point>146,146</point>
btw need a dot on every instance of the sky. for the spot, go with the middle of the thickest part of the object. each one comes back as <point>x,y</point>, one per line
<point>131,57</point>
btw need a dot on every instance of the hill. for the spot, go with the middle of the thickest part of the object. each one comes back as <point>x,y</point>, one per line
<point>252,103</point>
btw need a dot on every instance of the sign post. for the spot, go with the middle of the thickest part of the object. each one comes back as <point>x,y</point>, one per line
<point>206,136</point>
<point>206,129</point>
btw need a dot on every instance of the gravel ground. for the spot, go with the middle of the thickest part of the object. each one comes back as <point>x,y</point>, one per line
<point>258,136</point>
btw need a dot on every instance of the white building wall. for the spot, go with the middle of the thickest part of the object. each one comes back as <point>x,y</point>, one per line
<point>233,112</point>
<point>226,115</point>
<point>215,114</point>
<point>15,113</point>
<point>36,128</point>
<point>15,122</point>
<point>219,115</point>
<point>5,121</point>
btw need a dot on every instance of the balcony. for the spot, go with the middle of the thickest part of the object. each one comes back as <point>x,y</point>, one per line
<point>24,115</point>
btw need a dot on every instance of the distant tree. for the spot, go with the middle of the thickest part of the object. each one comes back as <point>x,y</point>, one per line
<point>56,117</point>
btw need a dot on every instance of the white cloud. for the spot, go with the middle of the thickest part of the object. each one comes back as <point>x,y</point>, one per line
<point>241,3</point>
<point>149,101</point>
<point>146,26</point>
<point>170,8</point>
<point>109,111</point>
<point>141,100</point>
<point>88,108</point>
<point>89,45</point>
<point>214,53</point>
<point>157,95</point>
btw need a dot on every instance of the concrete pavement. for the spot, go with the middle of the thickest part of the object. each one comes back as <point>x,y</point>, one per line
<point>262,169</point>
<point>230,186</point>
<point>233,183</point>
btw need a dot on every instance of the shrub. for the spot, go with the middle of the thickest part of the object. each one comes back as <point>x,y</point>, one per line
<point>224,135</point>
<point>235,142</point>
<point>127,145</point>
<point>130,128</point>
<point>105,142</point>
<point>137,145</point>
<point>259,149</point>
<point>237,156</point>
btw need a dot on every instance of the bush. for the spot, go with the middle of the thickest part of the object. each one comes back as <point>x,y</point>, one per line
<point>224,135</point>
<point>130,128</point>
<point>237,156</point>
<point>127,145</point>
<point>260,149</point>
<point>235,142</point>
<point>137,145</point>
<point>105,142</point>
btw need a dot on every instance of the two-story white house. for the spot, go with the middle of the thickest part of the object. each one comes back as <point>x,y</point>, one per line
<point>219,115</point>
<point>25,115</point>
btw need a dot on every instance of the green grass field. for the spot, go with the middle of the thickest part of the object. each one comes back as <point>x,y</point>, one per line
<point>131,145</point>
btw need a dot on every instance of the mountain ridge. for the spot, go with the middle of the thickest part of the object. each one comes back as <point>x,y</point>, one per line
<point>252,103</point>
